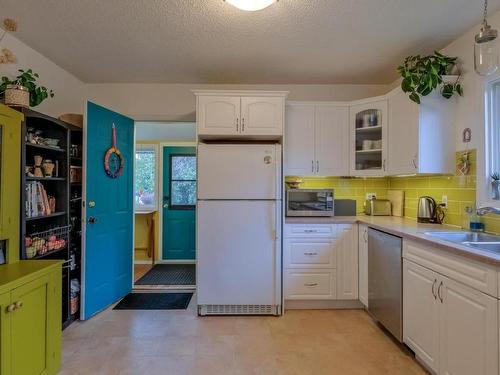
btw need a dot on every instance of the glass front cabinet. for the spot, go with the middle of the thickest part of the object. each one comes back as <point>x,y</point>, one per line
<point>368,143</point>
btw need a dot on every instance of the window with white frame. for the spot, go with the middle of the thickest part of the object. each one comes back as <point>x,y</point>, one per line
<point>492,145</point>
<point>145,189</point>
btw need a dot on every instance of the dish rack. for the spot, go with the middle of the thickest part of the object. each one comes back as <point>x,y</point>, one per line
<point>48,241</point>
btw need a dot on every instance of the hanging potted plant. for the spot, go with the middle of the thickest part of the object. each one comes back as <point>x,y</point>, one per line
<point>23,91</point>
<point>423,74</point>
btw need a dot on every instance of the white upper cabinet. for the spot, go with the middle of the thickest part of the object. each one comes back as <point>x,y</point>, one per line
<point>299,140</point>
<point>240,114</point>
<point>262,116</point>
<point>368,140</point>
<point>218,115</point>
<point>316,141</point>
<point>421,137</point>
<point>332,146</point>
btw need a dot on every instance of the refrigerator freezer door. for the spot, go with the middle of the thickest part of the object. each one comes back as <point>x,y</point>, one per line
<point>239,171</point>
<point>238,257</point>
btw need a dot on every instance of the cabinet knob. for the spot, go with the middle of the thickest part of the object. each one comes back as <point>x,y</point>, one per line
<point>11,308</point>
<point>18,304</point>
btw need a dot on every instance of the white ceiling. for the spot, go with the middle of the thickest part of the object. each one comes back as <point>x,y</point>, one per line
<point>209,41</point>
<point>165,131</point>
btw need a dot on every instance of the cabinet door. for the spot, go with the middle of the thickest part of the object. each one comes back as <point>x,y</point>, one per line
<point>347,262</point>
<point>332,140</point>
<point>421,313</point>
<point>218,115</point>
<point>368,135</point>
<point>29,324</point>
<point>262,115</point>
<point>299,140</point>
<point>5,335</point>
<point>468,331</point>
<point>363,264</point>
<point>309,253</point>
<point>403,135</point>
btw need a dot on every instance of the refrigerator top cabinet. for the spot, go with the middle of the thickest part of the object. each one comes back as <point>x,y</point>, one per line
<point>239,171</point>
<point>251,115</point>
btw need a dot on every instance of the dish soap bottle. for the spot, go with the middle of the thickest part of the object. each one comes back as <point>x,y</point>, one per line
<point>475,224</point>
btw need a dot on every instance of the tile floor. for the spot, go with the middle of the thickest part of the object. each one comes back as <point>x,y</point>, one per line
<point>179,342</point>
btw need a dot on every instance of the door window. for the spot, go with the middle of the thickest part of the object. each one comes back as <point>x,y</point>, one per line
<point>145,177</point>
<point>182,182</point>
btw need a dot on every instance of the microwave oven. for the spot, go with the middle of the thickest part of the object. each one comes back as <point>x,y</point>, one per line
<point>309,202</point>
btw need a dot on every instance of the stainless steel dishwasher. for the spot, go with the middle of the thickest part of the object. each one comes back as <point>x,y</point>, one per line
<point>385,280</point>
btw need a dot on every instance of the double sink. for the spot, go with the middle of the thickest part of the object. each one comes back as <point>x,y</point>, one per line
<point>482,241</point>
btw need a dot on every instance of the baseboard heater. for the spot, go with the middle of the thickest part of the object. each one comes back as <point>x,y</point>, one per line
<point>239,310</point>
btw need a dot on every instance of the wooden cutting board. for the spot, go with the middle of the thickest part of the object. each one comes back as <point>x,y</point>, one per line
<point>397,198</point>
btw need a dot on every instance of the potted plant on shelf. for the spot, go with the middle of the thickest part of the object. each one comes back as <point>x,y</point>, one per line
<point>495,185</point>
<point>423,74</point>
<point>22,91</point>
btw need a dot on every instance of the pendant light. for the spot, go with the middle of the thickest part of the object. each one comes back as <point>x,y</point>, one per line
<point>251,5</point>
<point>486,48</point>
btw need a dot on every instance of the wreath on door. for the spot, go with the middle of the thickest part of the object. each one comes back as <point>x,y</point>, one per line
<point>113,158</point>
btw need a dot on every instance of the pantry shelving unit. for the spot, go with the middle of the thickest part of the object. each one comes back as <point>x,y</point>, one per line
<point>47,235</point>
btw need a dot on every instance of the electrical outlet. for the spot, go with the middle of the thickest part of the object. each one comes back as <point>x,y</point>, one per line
<point>444,201</point>
<point>370,196</point>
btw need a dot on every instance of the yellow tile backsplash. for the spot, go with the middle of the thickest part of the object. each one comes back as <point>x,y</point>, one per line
<point>461,192</point>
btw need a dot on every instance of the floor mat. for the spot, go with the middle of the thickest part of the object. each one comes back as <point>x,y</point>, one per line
<point>169,274</point>
<point>154,301</point>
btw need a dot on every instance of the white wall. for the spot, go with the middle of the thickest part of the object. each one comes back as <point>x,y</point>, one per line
<point>176,102</point>
<point>470,107</point>
<point>69,91</point>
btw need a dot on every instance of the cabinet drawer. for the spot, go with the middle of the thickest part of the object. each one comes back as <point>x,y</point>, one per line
<point>467,271</point>
<point>309,284</point>
<point>301,230</point>
<point>310,253</point>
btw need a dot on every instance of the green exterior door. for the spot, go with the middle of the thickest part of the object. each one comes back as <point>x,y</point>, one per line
<point>179,203</point>
<point>29,323</point>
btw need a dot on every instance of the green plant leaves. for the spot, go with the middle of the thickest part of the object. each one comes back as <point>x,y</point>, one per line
<point>27,78</point>
<point>422,75</point>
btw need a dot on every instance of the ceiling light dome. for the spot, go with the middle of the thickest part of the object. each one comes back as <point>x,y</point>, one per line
<point>251,5</point>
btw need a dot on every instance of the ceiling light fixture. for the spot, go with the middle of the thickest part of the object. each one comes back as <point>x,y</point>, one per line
<point>251,5</point>
<point>485,47</point>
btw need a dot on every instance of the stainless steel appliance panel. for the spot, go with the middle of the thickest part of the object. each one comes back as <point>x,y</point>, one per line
<point>385,279</point>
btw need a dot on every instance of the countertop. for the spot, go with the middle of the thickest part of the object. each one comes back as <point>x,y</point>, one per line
<point>406,228</point>
<point>16,273</point>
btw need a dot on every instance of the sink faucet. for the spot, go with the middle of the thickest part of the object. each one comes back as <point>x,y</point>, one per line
<point>485,210</point>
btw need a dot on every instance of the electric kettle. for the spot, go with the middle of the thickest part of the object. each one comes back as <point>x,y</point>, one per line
<point>427,211</point>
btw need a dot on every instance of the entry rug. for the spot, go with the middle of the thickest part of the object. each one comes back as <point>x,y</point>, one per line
<point>169,274</point>
<point>154,301</point>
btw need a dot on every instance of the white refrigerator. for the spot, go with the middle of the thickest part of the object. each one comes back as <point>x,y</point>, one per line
<point>239,229</point>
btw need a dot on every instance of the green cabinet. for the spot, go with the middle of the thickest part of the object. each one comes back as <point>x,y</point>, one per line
<point>30,319</point>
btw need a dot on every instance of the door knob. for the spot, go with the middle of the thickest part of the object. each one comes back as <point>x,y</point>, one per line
<point>92,220</point>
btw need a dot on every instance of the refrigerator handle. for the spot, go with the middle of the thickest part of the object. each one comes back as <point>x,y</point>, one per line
<point>277,226</point>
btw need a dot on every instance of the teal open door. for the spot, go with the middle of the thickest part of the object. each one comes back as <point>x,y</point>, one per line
<point>107,254</point>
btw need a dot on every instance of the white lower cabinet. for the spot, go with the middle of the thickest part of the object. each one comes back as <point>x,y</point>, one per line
<point>310,284</point>
<point>363,264</point>
<point>451,327</point>
<point>421,313</point>
<point>321,262</point>
<point>347,261</point>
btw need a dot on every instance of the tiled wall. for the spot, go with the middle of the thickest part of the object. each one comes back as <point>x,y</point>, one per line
<point>461,192</point>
